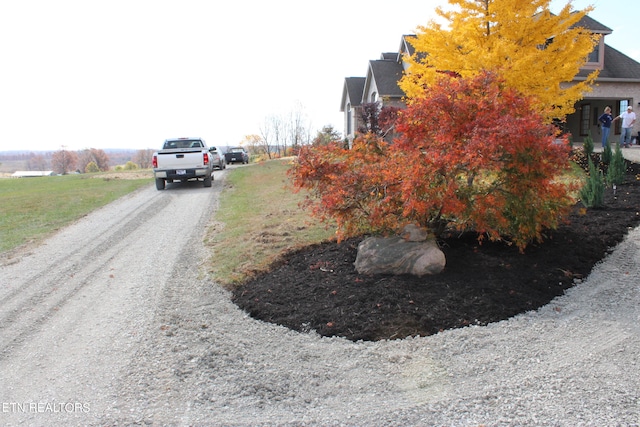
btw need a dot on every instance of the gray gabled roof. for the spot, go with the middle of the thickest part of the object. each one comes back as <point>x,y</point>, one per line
<point>386,75</point>
<point>593,25</point>
<point>617,65</point>
<point>406,46</point>
<point>353,90</point>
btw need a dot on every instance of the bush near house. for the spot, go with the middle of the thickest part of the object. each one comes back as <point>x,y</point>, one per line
<point>485,162</point>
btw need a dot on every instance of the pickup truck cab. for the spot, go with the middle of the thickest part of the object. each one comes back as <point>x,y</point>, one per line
<point>183,159</point>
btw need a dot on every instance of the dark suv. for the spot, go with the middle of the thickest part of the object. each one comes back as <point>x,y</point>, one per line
<point>236,155</point>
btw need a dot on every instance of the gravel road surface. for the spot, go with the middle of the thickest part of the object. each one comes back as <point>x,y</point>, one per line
<point>114,321</point>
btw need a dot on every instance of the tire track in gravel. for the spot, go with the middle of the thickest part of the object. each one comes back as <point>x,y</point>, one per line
<point>27,307</point>
<point>74,309</point>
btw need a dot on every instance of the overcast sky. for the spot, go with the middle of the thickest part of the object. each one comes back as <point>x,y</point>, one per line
<point>130,73</point>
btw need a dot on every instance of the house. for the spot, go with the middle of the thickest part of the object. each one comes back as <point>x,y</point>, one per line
<point>379,85</point>
<point>29,174</point>
<point>351,105</point>
<point>617,86</point>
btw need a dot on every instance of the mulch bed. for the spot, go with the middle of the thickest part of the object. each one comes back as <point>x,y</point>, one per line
<point>317,288</point>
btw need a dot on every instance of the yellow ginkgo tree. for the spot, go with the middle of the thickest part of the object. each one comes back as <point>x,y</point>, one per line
<point>535,51</point>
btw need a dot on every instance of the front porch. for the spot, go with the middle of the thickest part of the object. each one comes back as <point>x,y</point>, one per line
<point>584,121</point>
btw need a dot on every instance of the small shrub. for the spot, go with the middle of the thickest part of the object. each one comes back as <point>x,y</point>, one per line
<point>606,154</point>
<point>592,193</point>
<point>588,145</point>
<point>91,167</point>
<point>129,166</point>
<point>617,168</point>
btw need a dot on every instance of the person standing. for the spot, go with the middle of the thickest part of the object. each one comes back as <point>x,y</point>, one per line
<point>605,120</point>
<point>628,119</point>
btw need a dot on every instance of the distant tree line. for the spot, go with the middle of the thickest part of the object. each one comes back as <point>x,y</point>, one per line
<point>87,160</point>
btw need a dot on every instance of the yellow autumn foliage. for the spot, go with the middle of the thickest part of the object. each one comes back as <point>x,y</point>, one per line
<point>535,51</point>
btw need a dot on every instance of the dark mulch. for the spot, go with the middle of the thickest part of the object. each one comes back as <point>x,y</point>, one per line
<point>317,288</point>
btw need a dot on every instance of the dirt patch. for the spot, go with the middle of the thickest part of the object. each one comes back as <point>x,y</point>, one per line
<point>145,174</point>
<point>317,288</point>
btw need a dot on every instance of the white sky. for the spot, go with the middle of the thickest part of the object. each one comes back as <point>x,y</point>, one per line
<point>130,73</point>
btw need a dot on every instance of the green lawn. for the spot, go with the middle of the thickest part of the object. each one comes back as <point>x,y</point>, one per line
<point>33,208</point>
<point>257,221</point>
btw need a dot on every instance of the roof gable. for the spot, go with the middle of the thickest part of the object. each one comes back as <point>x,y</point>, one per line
<point>385,75</point>
<point>352,92</point>
<point>592,25</point>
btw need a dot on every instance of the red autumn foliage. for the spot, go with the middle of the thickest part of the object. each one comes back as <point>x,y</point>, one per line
<point>378,119</point>
<point>471,155</point>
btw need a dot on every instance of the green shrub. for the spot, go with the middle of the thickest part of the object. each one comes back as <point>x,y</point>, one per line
<point>129,166</point>
<point>592,193</point>
<point>92,167</point>
<point>617,168</point>
<point>588,145</point>
<point>606,154</point>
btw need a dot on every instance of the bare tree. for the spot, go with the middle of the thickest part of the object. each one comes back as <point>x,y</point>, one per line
<point>143,158</point>
<point>282,134</point>
<point>64,161</point>
<point>299,130</point>
<point>273,135</point>
<point>95,155</point>
<point>278,135</point>
<point>37,162</point>
<point>265,138</point>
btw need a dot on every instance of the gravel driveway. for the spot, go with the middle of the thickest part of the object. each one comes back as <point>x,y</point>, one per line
<point>113,321</point>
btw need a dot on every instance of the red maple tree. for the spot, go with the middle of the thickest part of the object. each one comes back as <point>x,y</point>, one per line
<point>471,155</point>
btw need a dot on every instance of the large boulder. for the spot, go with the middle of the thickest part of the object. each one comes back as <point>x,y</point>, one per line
<point>412,253</point>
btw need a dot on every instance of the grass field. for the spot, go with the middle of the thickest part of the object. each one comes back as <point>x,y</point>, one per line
<point>257,221</point>
<point>33,208</point>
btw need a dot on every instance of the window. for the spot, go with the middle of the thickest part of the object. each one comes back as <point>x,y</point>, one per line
<point>624,104</point>
<point>585,119</point>
<point>349,113</point>
<point>595,60</point>
<point>594,56</point>
<point>374,97</point>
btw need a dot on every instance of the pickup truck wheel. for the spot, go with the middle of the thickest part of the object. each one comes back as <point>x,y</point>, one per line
<point>207,181</point>
<point>160,184</point>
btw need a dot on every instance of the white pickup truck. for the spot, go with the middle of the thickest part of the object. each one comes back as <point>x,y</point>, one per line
<point>184,159</point>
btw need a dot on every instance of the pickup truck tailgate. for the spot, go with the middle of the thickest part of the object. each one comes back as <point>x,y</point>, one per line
<point>180,159</point>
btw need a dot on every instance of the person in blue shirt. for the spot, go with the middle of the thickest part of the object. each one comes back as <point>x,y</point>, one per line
<point>605,120</point>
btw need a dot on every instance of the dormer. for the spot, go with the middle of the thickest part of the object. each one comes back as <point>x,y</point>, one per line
<point>595,60</point>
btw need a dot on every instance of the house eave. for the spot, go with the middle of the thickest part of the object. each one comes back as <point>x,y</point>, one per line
<point>608,80</point>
